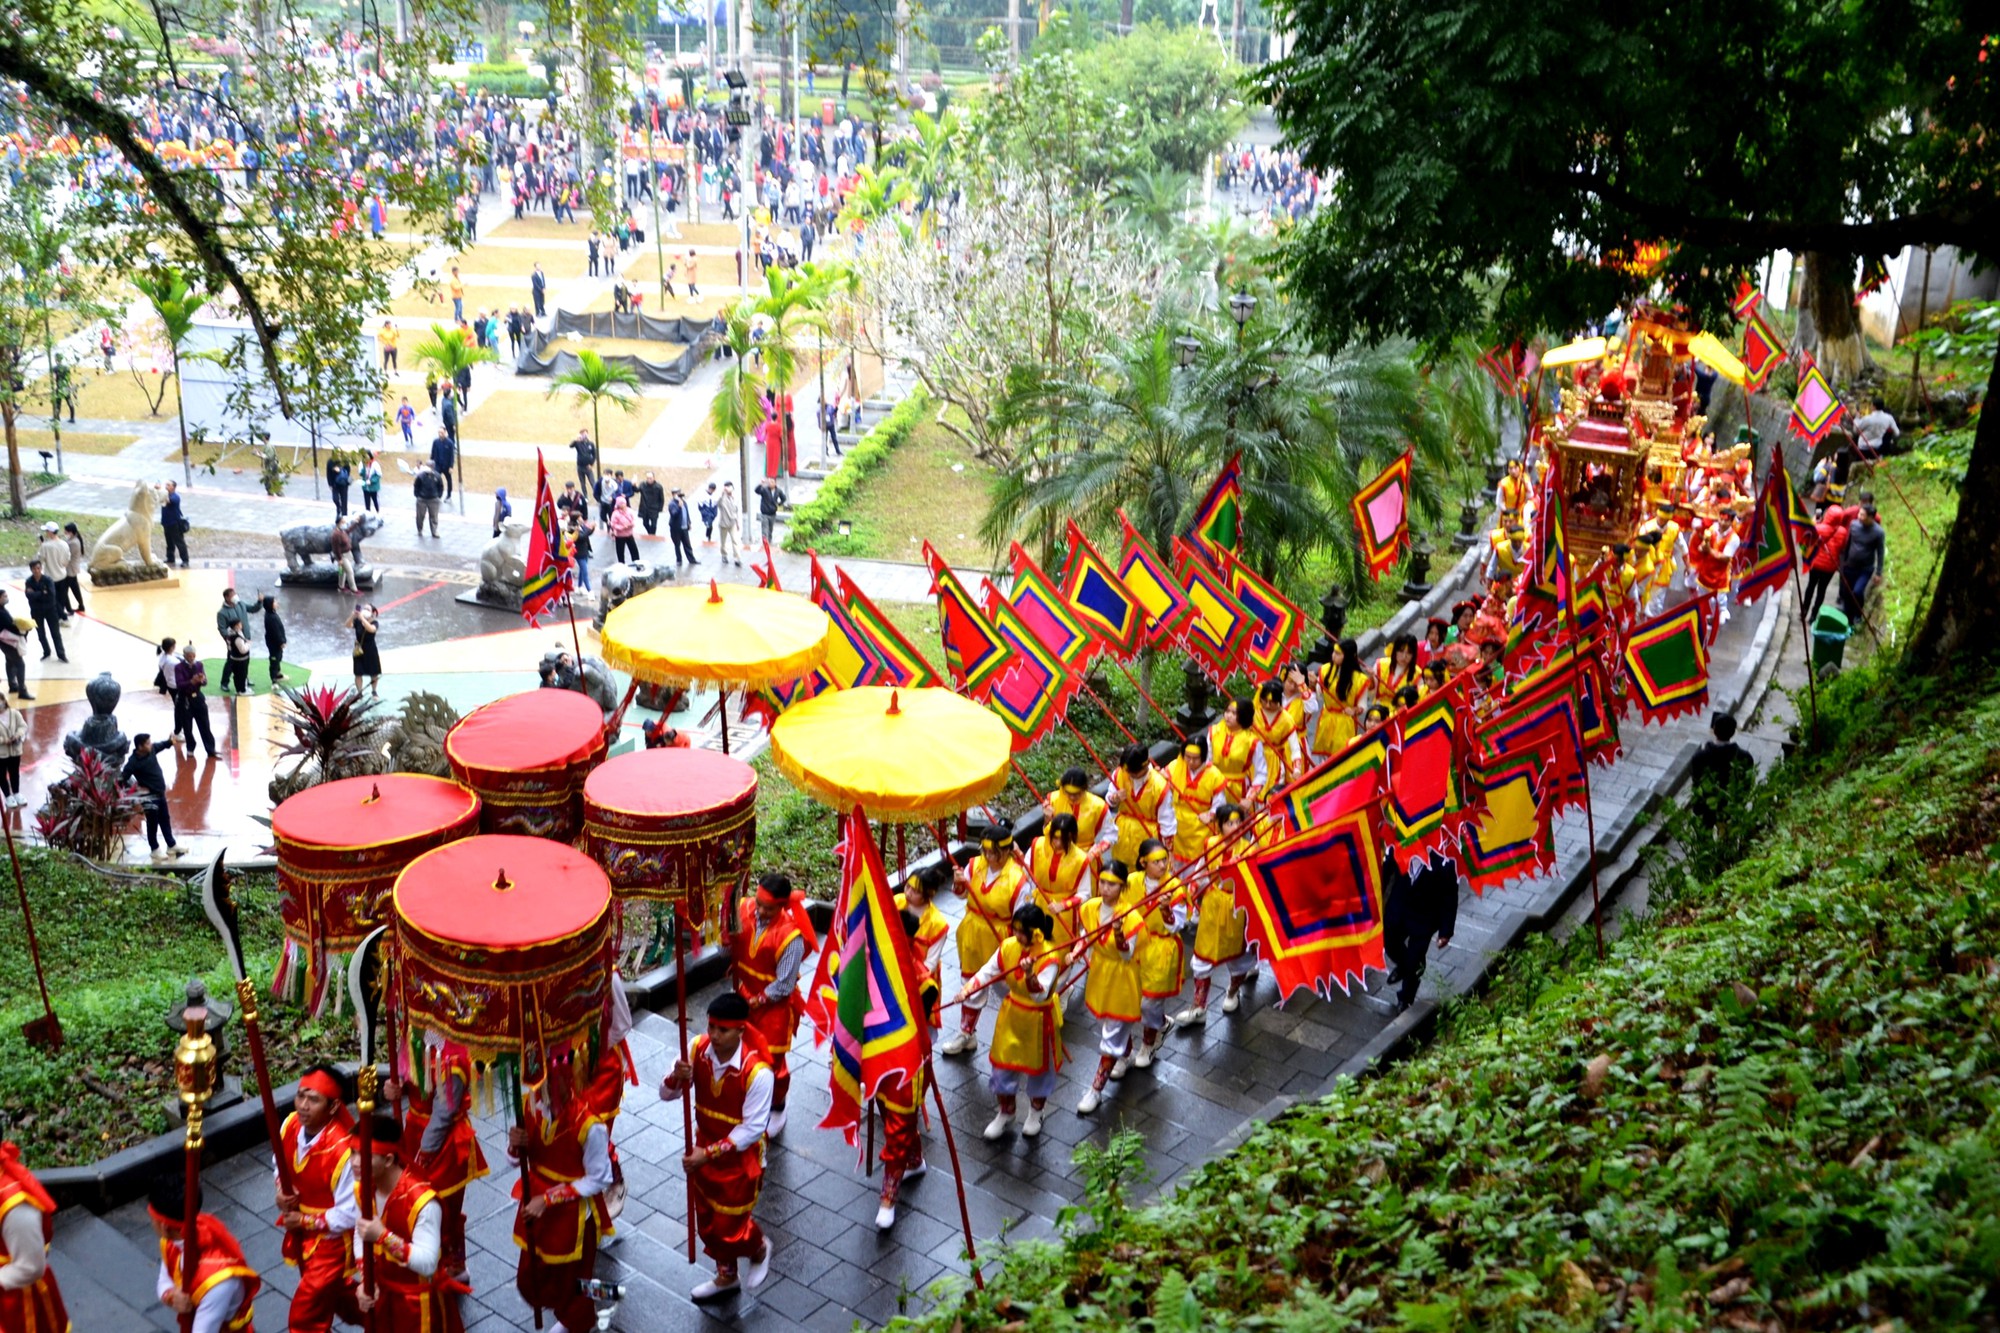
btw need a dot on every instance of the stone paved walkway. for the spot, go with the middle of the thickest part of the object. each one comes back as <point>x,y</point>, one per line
<point>833,1268</point>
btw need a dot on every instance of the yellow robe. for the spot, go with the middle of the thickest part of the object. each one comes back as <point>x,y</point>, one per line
<point>1279,733</point>
<point>1138,812</point>
<point>1218,929</point>
<point>1056,885</point>
<point>1234,753</point>
<point>1027,1036</point>
<point>989,912</point>
<point>1089,810</point>
<point>1112,990</point>
<point>1162,956</point>
<point>1337,726</point>
<point>1193,796</point>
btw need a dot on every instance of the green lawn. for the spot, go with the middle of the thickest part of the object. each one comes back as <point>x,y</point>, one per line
<point>118,954</point>
<point>20,536</point>
<point>930,489</point>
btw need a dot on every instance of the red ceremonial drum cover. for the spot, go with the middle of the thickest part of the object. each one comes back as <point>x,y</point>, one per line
<point>504,943</point>
<point>527,755</point>
<point>340,847</point>
<point>672,825</point>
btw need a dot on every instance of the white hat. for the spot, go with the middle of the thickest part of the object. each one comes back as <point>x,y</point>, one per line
<point>50,527</point>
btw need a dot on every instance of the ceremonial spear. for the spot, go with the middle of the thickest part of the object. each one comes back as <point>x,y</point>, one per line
<point>220,907</point>
<point>364,985</point>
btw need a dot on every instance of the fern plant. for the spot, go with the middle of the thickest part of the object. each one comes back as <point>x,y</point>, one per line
<point>333,736</point>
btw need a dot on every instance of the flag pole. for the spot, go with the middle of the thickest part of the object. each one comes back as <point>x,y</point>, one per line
<point>1152,703</point>
<point>681,1006</point>
<point>1104,708</point>
<point>957,1174</point>
<point>1554,496</point>
<point>1805,626</point>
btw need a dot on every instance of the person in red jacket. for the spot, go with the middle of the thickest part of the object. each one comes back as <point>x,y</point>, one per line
<point>1829,541</point>
<point>30,1300</point>
<point>566,1143</point>
<point>225,1285</point>
<point>320,1213</point>
<point>772,939</point>
<point>411,1293</point>
<point>441,1144</point>
<point>733,1086</point>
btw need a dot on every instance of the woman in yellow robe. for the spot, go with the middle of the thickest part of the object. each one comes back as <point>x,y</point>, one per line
<point>994,883</point>
<point>1056,866</point>
<point>1219,923</point>
<point>1343,684</point>
<point>1109,932</point>
<point>1027,1035</point>
<point>1195,784</point>
<point>1160,895</point>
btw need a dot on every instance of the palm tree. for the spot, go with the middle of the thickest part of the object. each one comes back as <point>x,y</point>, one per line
<point>1155,199</point>
<point>176,304</point>
<point>738,404</point>
<point>449,351</point>
<point>597,381</point>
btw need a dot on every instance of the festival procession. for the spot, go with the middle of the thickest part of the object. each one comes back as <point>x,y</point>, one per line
<point>476,930</point>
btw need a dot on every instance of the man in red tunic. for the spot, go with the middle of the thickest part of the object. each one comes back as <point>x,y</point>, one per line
<point>441,1144</point>
<point>225,1284</point>
<point>411,1292</point>
<point>318,1217</point>
<point>771,941</point>
<point>30,1300</point>
<point>567,1147</point>
<point>733,1087</point>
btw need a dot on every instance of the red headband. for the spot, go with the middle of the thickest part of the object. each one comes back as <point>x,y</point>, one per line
<point>162,1218</point>
<point>321,1082</point>
<point>766,898</point>
<point>715,1022</point>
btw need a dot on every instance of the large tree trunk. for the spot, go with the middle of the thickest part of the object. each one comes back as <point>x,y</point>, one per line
<point>1125,18</point>
<point>1964,621</point>
<point>1834,335</point>
<point>17,491</point>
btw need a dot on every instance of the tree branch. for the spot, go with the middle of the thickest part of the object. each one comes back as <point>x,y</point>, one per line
<point>76,100</point>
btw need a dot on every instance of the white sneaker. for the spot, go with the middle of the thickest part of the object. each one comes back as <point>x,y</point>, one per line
<point>1232,1002</point>
<point>997,1126</point>
<point>176,853</point>
<point>1089,1102</point>
<point>1144,1059</point>
<point>159,858</point>
<point>712,1290</point>
<point>922,1168</point>
<point>775,1125</point>
<point>1121,1066</point>
<point>885,1217</point>
<point>1191,1016</point>
<point>1031,1124</point>
<point>958,1043</point>
<point>759,1268</point>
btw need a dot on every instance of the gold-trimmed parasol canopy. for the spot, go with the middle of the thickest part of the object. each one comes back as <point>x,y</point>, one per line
<point>1575,354</point>
<point>1708,348</point>
<point>746,637</point>
<point>904,756</point>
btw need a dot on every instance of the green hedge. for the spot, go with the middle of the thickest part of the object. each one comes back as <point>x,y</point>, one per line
<point>815,523</point>
<point>506,80</point>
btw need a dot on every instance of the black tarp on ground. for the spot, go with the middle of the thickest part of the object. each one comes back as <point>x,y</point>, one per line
<point>681,343</point>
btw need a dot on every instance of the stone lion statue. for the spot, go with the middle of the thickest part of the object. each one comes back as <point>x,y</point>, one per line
<point>598,683</point>
<point>307,540</point>
<point>503,564</point>
<point>622,582</point>
<point>131,536</point>
<point>417,744</point>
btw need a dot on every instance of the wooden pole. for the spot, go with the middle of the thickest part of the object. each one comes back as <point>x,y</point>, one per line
<point>528,1259</point>
<point>246,1000</point>
<point>1554,495</point>
<point>364,1105</point>
<point>1151,703</point>
<point>46,1031</point>
<point>681,1012</point>
<point>1105,708</point>
<point>957,1175</point>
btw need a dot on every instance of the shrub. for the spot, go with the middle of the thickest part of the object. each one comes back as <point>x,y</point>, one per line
<point>89,811</point>
<point>814,520</point>
<point>505,80</point>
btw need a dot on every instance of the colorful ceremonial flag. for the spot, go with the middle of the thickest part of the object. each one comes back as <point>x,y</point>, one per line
<point>1220,627</point>
<point>1763,350</point>
<point>1218,519</point>
<point>1551,544</point>
<point>1278,621</point>
<point>1426,805</point>
<point>1314,903</point>
<point>1666,664</point>
<point>1541,717</point>
<point>1513,837</point>
<point>1351,780</point>
<point>1381,516</point>
<point>1765,563</point>
<point>1499,363</point>
<point>767,573</point>
<point>851,659</point>
<point>1816,408</point>
<point>1748,298</point>
<point>1032,690</point>
<point>974,652</point>
<point>902,664</point>
<point>545,576</point>
<point>1044,610</point>
<point>880,1033</point>
<point>1100,599</point>
<point>1153,585</point>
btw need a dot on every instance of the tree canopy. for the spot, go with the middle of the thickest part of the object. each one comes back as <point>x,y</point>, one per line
<point>1539,143</point>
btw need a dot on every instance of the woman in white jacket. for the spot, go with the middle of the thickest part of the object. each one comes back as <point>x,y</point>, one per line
<point>13,735</point>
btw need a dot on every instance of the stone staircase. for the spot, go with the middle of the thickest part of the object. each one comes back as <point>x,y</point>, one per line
<point>107,1280</point>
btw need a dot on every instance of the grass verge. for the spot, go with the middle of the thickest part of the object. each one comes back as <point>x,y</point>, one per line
<point>1772,1105</point>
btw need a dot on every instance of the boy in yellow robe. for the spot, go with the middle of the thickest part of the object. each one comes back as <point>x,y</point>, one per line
<point>1140,801</point>
<point>1027,1035</point>
<point>994,884</point>
<point>1218,933</point>
<point>1159,894</point>
<point>1109,933</point>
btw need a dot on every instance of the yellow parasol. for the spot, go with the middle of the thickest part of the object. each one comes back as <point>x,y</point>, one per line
<point>747,637</point>
<point>1708,348</point>
<point>1575,354</point>
<point>903,756</point>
